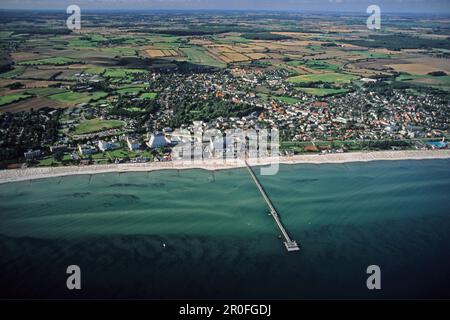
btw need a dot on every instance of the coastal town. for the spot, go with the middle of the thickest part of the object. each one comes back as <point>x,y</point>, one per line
<point>363,119</point>
<point>96,97</point>
<point>220,150</point>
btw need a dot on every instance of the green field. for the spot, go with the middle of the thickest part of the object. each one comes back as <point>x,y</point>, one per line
<point>121,51</point>
<point>162,38</point>
<point>17,71</point>
<point>45,92</point>
<point>231,39</point>
<point>97,95</point>
<point>86,41</point>
<point>285,99</point>
<point>70,97</point>
<point>124,153</point>
<point>324,77</point>
<point>95,70</point>
<point>198,55</point>
<point>78,97</point>
<point>149,95</point>
<point>316,65</point>
<point>129,90</point>
<point>10,98</point>
<point>96,125</point>
<point>57,61</point>
<point>322,92</point>
<point>121,72</point>
<point>48,162</point>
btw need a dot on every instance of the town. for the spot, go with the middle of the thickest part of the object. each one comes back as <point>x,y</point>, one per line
<point>323,95</point>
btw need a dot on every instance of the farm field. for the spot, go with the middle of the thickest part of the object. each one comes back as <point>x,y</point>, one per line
<point>199,55</point>
<point>117,59</point>
<point>76,97</point>
<point>10,98</point>
<point>438,81</point>
<point>422,66</point>
<point>57,61</point>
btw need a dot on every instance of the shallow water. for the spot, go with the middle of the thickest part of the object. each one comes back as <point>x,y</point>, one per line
<point>220,240</point>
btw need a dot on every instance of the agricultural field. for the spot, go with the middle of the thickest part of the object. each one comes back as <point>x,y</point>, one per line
<point>10,98</point>
<point>71,98</point>
<point>421,66</point>
<point>433,81</point>
<point>198,55</point>
<point>116,58</point>
<point>121,72</point>
<point>56,61</point>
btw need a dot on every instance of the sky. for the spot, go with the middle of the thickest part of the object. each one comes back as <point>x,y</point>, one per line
<point>407,6</point>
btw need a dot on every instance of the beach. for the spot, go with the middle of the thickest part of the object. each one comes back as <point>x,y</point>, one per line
<point>212,165</point>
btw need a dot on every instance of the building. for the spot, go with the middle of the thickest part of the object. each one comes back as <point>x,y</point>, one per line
<point>86,149</point>
<point>32,154</point>
<point>58,148</point>
<point>105,146</point>
<point>133,144</point>
<point>157,140</point>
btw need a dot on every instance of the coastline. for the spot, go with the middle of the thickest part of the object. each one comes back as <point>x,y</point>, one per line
<point>16,175</point>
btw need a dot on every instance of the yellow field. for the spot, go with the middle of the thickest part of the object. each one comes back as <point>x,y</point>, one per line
<point>235,57</point>
<point>422,66</point>
<point>160,52</point>
<point>256,56</point>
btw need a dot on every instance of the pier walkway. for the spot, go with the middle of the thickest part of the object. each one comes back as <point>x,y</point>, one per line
<point>290,244</point>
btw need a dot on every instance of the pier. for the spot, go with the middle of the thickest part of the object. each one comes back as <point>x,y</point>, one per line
<point>290,244</point>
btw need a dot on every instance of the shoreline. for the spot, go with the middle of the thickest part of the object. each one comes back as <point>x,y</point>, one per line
<point>17,175</point>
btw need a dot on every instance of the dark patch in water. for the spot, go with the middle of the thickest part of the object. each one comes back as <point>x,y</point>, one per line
<point>124,185</point>
<point>125,196</point>
<point>157,185</point>
<point>306,180</point>
<point>81,194</point>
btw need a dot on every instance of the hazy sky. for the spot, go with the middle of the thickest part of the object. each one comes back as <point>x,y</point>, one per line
<point>434,6</point>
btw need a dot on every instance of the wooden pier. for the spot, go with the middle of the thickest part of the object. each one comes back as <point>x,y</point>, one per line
<point>290,244</point>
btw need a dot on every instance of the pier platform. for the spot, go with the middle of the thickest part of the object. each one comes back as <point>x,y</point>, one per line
<point>290,244</point>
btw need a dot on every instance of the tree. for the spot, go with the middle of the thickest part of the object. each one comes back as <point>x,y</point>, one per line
<point>59,155</point>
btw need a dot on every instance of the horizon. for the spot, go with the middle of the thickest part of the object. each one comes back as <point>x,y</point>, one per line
<point>441,7</point>
<point>136,10</point>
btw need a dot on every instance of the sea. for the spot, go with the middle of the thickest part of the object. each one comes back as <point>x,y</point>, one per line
<point>196,234</point>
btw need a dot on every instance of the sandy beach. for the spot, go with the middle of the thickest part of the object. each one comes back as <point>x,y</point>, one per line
<point>49,172</point>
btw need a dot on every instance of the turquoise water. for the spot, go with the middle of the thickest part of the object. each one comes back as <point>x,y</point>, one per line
<point>220,240</point>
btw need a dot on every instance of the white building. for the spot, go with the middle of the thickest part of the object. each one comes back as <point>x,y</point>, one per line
<point>85,149</point>
<point>105,146</point>
<point>133,144</point>
<point>157,140</point>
